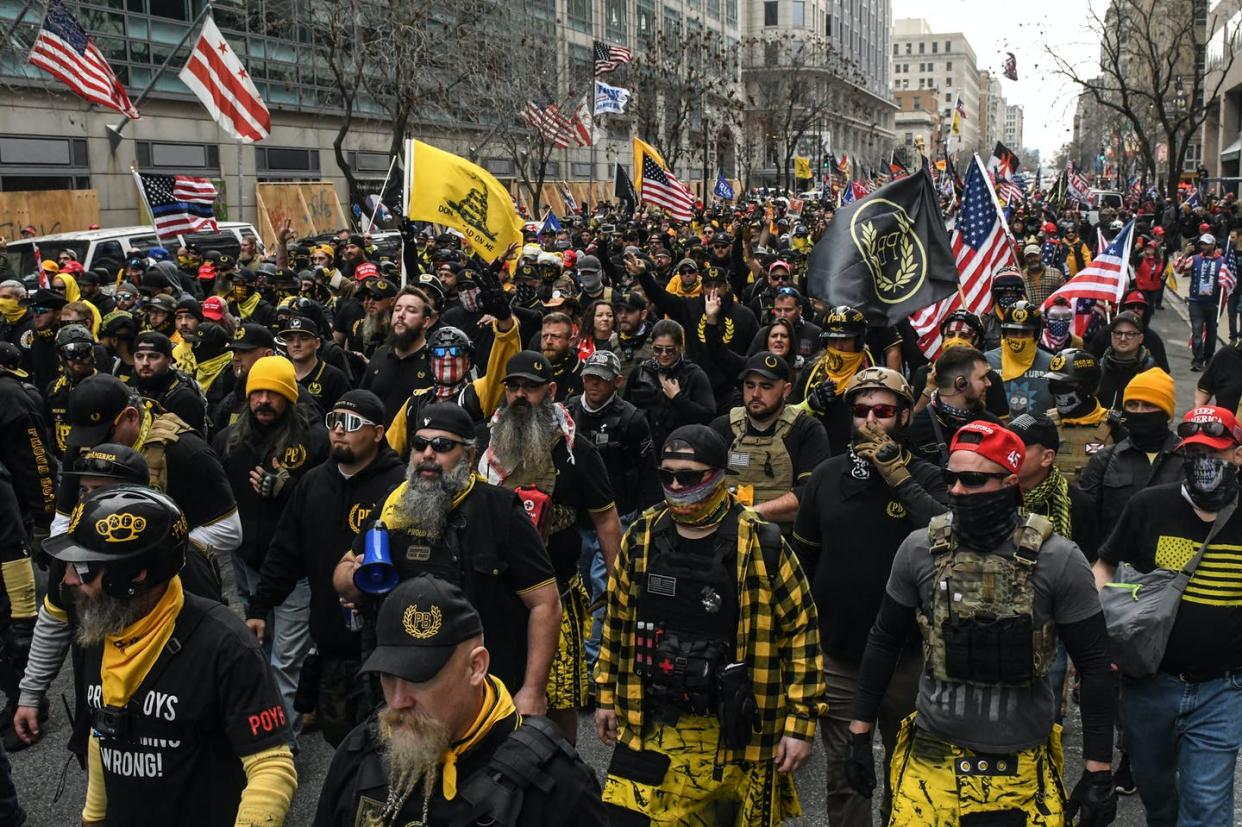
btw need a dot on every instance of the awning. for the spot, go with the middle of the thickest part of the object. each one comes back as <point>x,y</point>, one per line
<point>1233,151</point>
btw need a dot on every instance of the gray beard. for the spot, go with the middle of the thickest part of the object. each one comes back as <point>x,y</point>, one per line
<point>105,616</point>
<point>426,503</point>
<point>413,744</point>
<point>525,436</point>
<point>375,328</point>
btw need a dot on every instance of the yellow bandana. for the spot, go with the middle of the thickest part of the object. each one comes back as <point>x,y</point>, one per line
<point>956,341</point>
<point>129,656</point>
<point>840,366</point>
<point>11,310</point>
<point>205,373</point>
<point>1017,356</point>
<point>394,520</point>
<point>676,288</point>
<point>1093,418</point>
<point>246,308</point>
<point>497,705</point>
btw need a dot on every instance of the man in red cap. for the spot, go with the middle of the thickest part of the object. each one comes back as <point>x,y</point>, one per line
<point>1183,725</point>
<point>990,592</point>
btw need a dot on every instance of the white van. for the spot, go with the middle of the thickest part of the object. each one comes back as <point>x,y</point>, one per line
<point>93,246</point>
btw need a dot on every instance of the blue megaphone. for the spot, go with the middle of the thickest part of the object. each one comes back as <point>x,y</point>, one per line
<point>377,574</point>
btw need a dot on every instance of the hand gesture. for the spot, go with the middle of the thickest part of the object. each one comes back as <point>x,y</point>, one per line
<point>634,265</point>
<point>711,305</point>
<point>493,300</point>
<point>286,231</point>
<point>670,386</point>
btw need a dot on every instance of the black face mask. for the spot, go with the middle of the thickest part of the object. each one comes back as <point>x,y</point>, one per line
<point>983,521</point>
<point>1148,430</point>
<point>1211,482</point>
<point>525,295</point>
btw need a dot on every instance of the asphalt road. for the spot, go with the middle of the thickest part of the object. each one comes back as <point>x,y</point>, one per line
<point>38,771</point>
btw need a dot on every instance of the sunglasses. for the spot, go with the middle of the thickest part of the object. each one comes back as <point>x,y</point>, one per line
<point>439,444</point>
<point>1126,334</point>
<point>880,411</point>
<point>685,271</point>
<point>778,277</point>
<point>445,351</point>
<point>1212,429</point>
<point>970,479</point>
<point>663,349</point>
<point>79,350</point>
<point>39,310</point>
<point>522,385</point>
<point>350,422</point>
<point>87,571</point>
<point>686,479</point>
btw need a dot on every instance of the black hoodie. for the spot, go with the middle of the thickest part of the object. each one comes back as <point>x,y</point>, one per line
<point>318,526</point>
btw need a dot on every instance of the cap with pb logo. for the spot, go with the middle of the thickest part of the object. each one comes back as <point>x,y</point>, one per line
<point>420,625</point>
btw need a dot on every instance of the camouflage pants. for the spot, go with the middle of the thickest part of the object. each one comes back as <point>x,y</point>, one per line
<point>939,784</point>
<point>343,700</point>
<point>674,780</point>
<point>568,679</point>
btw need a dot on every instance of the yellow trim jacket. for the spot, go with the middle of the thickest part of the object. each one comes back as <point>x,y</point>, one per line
<point>777,637</point>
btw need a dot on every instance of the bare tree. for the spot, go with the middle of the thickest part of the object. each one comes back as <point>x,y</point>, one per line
<point>1153,73</point>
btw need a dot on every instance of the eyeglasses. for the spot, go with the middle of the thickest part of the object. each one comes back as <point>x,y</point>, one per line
<point>664,349</point>
<point>970,479</point>
<point>1126,334</point>
<point>439,444</point>
<point>87,571</point>
<point>77,350</point>
<point>880,411</point>
<point>344,419</point>
<point>445,351</point>
<point>1212,429</point>
<point>686,479</point>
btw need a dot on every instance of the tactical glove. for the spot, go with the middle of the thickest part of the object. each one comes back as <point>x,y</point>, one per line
<point>1094,800</point>
<point>860,764</point>
<point>822,395</point>
<point>884,454</point>
<point>273,483</point>
<point>493,300</point>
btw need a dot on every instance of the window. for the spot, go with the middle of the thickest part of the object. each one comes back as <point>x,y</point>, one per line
<point>644,23</point>
<point>286,163</point>
<point>922,47</point>
<point>499,166</point>
<point>896,48</point>
<point>799,13</point>
<point>579,13</point>
<point>908,46</point>
<point>905,84</point>
<point>40,163</point>
<point>948,81</point>
<point>770,12</point>
<point>918,102</point>
<point>909,138</point>
<point>948,97</point>
<point>580,170</point>
<point>922,82</point>
<point>672,22</point>
<point>367,162</point>
<point>948,67</point>
<point>196,157</point>
<point>935,47</point>
<point>615,22</point>
<point>731,11</point>
<point>713,9</point>
<point>948,46</point>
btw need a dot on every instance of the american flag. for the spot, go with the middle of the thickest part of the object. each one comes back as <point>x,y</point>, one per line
<point>1104,279</point>
<point>608,57</point>
<point>981,247</point>
<point>662,189</point>
<point>1077,184</point>
<point>63,50</point>
<point>1228,276</point>
<point>556,128</point>
<point>1009,192</point>
<point>216,76</point>
<point>179,203</point>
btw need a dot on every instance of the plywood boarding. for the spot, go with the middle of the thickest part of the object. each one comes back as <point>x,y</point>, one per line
<point>311,207</point>
<point>50,211</point>
<point>586,191</point>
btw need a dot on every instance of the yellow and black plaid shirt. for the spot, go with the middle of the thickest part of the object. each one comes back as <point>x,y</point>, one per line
<point>777,638</point>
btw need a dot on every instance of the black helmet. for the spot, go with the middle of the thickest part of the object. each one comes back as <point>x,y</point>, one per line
<point>1074,369</point>
<point>1008,287</point>
<point>451,337</point>
<point>72,334</point>
<point>1021,315</point>
<point>966,317</point>
<point>126,529</point>
<point>842,321</point>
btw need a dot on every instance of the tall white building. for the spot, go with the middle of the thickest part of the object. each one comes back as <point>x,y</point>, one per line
<point>1013,127</point>
<point>945,62</point>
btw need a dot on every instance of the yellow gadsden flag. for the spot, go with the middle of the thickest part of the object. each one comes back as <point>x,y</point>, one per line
<point>802,168</point>
<point>446,189</point>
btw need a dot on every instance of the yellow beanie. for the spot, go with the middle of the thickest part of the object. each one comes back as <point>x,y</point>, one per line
<point>275,374</point>
<point>1154,386</point>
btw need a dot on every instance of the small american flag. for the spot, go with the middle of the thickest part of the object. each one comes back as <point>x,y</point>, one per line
<point>1104,279</point>
<point>608,57</point>
<point>661,188</point>
<point>1228,276</point>
<point>179,203</point>
<point>556,128</point>
<point>63,50</point>
<point>981,247</point>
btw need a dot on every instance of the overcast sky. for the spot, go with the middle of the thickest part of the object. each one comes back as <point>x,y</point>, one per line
<point>1027,30</point>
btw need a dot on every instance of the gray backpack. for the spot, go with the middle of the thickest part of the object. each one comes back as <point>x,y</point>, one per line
<point>1140,609</point>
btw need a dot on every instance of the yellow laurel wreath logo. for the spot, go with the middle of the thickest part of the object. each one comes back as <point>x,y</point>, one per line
<point>1019,315</point>
<point>895,510</point>
<point>907,270</point>
<point>421,625</point>
<point>294,456</point>
<point>75,517</point>
<point>1057,362</point>
<point>120,528</point>
<point>884,235</point>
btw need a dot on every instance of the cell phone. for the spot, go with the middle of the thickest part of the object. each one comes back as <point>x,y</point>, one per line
<point>608,228</point>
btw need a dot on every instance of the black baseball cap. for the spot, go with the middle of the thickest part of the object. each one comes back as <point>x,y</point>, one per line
<point>191,306</point>
<point>11,360</point>
<point>1036,429</point>
<point>632,300</point>
<point>419,627</point>
<point>364,403</point>
<point>602,363</point>
<point>46,298</point>
<point>446,416</point>
<point>766,363</point>
<point>251,336</point>
<point>529,364</point>
<point>298,324</point>
<point>94,405</point>
<point>153,340</point>
<point>210,334</point>
<point>379,288</point>
<point>699,443</point>
<point>112,461</point>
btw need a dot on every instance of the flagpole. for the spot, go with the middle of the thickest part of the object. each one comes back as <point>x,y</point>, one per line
<point>142,192</point>
<point>380,199</point>
<point>114,132</point>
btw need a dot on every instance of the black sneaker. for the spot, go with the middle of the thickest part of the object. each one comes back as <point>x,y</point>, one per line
<point>1123,779</point>
<point>1195,367</point>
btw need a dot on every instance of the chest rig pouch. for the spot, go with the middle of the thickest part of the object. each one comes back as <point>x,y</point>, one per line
<point>687,620</point>
<point>981,627</point>
<point>762,462</point>
<point>534,489</point>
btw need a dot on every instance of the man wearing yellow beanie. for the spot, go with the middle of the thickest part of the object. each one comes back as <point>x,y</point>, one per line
<point>1144,458</point>
<point>265,450</point>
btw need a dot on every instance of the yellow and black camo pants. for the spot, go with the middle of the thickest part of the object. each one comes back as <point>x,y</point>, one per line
<point>939,784</point>
<point>568,679</point>
<point>674,780</point>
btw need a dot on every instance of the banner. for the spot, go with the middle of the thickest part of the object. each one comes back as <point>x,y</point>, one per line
<point>610,100</point>
<point>802,169</point>
<point>887,254</point>
<point>446,189</point>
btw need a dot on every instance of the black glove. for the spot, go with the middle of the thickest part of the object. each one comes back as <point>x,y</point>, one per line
<point>408,231</point>
<point>493,300</point>
<point>1094,800</point>
<point>860,764</point>
<point>822,395</point>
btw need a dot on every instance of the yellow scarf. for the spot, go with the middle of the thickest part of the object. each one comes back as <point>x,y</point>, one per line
<point>205,373</point>
<point>1015,362</point>
<point>183,355</point>
<point>73,293</point>
<point>394,520</point>
<point>497,705</point>
<point>840,366</point>
<point>129,656</point>
<point>1093,418</point>
<point>11,310</point>
<point>675,288</point>
<point>246,308</point>
<point>955,341</point>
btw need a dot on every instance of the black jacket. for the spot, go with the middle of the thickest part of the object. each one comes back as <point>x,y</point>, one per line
<point>174,392</point>
<point>620,433</point>
<point>1114,377</point>
<point>695,405</point>
<point>24,449</point>
<point>1118,472</point>
<point>317,527</point>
